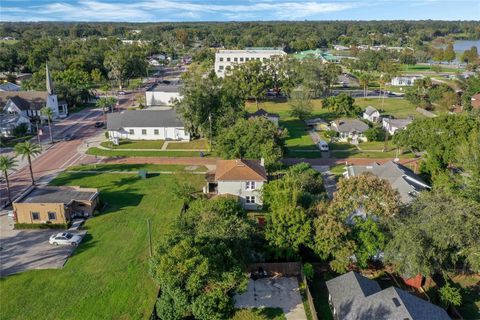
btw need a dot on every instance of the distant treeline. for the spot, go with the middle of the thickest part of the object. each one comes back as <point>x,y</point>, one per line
<point>292,36</point>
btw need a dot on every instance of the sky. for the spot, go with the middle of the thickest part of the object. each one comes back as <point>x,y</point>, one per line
<point>247,10</point>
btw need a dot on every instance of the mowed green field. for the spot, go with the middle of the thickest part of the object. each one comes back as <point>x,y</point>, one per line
<point>107,276</point>
<point>396,107</point>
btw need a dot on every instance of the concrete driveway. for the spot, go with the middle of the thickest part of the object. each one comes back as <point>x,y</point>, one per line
<point>282,292</point>
<point>22,250</point>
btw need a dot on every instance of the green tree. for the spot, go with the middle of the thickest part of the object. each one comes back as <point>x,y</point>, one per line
<point>436,232</point>
<point>253,138</point>
<point>124,63</point>
<point>73,86</point>
<point>200,264</point>
<point>106,103</point>
<point>6,164</point>
<point>471,55</point>
<point>450,296</point>
<point>375,134</point>
<point>301,106</point>
<point>28,150</point>
<point>364,80</point>
<point>252,79</point>
<point>468,158</point>
<point>343,104</point>
<point>449,53</point>
<point>48,113</point>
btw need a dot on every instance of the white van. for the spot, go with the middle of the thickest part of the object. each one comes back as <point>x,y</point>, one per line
<point>323,145</point>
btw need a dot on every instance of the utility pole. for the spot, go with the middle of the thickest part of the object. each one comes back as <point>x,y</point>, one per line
<point>38,137</point>
<point>210,120</point>
<point>149,237</point>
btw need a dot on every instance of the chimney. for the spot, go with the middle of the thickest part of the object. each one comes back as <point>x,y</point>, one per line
<point>262,162</point>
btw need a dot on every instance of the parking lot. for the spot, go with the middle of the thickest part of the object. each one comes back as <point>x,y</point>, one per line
<point>274,292</point>
<point>22,250</point>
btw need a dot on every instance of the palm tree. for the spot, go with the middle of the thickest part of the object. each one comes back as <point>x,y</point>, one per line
<point>7,163</point>
<point>387,78</point>
<point>364,81</point>
<point>48,113</point>
<point>104,103</point>
<point>27,149</point>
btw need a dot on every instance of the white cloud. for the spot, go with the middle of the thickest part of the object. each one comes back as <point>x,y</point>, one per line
<point>151,10</point>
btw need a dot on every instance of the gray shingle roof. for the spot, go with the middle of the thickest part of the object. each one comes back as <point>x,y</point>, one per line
<point>356,297</point>
<point>349,125</point>
<point>399,123</point>
<point>144,119</point>
<point>370,110</point>
<point>263,113</point>
<point>404,180</point>
<point>166,88</point>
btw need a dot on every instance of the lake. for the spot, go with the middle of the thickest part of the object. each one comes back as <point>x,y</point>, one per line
<point>462,45</point>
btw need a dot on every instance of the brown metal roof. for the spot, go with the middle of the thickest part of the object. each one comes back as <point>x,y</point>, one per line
<point>240,170</point>
<point>34,100</point>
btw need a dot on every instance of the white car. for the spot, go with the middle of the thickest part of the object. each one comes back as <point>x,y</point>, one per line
<point>65,238</point>
<point>323,145</point>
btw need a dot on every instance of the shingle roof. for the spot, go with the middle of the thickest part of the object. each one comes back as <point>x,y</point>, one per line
<point>349,125</point>
<point>8,86</point>
<point>57,195</point>
<point>398,123</point>
<point>144,119</point>
<point>263,113</point>
<point>166,88</point>
<point>356,297</point>
<point>25,100</point>
<point>240,170</point>
<point>404,180</point>
<point>370,110</point>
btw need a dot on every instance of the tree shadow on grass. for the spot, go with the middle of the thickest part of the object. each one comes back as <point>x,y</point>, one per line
<point>271,313</point>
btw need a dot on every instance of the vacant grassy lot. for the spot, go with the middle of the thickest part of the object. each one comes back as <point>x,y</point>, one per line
<point>134,144</point>
<point>194,144</point>
<point>259,314</point>
<point>396,107</point>
<point>470,289</point>
<point>107,276</point>
<point>127,153</point>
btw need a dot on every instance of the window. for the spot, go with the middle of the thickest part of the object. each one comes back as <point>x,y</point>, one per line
<point>52,216</point>
<point>131,131</point>
<point>144,132</point>
<point>220,67</point>
<point>228,59</point>
<point>264,59</point>
<point>250,185</point>
<point>221,59</point>
<point>250,199</point>
<point>156,132</point>
<point>258,59</point>
<point>246,59</point>
<point>235,59</point>
<point>241,59</point>
<point>35,215</point>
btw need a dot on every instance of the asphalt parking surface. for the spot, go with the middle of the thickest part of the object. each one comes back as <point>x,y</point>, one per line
<point>22,250</point>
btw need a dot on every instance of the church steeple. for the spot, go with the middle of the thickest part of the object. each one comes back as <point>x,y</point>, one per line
<point>49,81</point>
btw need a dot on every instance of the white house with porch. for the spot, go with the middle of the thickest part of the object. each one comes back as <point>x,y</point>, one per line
<point>349,129</point>
<point>371,114</point>
<point>146,125</point>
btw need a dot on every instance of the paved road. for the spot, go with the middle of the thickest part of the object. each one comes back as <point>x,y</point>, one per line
<point>60,155</point>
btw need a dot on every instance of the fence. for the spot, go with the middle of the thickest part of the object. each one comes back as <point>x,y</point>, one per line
<point>313,312</point>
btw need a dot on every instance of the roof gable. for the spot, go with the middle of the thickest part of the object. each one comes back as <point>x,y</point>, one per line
<point>144,119</point>
<point>240,170</point>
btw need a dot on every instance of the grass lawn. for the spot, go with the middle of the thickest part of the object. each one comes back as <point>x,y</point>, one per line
<point>135,167</point>
<point>259,314</point>
<point>319,292</point>
<point>396,107</point>
<point>375,145</point>
<point>134,144</point>
<point>194,144</point>
<point>107,276</point>
<point>337,171</point>
<point>125,153</point>
<point>419,68</point>
<point>80,107</point>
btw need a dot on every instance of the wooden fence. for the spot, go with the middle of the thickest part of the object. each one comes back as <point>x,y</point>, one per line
<point>311,306</point>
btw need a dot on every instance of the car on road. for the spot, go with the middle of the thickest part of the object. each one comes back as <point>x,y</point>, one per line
<point>68,137</point>
<point>323,145</point>
<point>98,124</point>
<point>65,238</point>
<point>122,93</point>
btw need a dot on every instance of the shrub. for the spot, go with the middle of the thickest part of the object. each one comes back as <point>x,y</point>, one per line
<point>375,134</point>
<point>42,225</point>
<point>106,134</point>
<point>308,271</point>
<point>20,130</point>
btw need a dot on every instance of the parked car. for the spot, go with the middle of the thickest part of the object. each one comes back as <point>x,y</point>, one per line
<point>323,145</point>
<point>65,238</point>
<point>98,124</point>
<point>122,93</point>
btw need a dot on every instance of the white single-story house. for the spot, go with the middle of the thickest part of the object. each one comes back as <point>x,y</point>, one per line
<point>371,114</point>
<point>349,129</point>
<point>239,178</point>
<point>392,125</point>
<point>272,117</point>
<point>146,125</point>
<point>162,95</point>
<point>404,80</point>
<point>8,86</point>
<point>8,122</point>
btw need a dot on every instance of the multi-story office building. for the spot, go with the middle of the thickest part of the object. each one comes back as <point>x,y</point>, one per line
<point>225,60</point>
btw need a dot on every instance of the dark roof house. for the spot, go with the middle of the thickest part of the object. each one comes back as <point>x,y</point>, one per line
<point>263,113</point>
<point>349,125</point>
<point>355,297</point>
<point>401,178</point>
<point>143,119</point>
